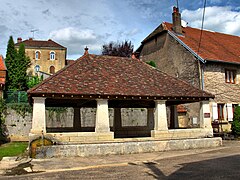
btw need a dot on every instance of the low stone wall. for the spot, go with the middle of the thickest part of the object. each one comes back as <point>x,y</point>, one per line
<point>18,127</point>
<point>85,150</point>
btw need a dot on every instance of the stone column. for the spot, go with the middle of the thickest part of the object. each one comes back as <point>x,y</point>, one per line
<point>150,118</point>
<point>102,118</point>
<point>39,117</point>
<point>160,116</point>
<point>77,119</point>
<point>205,115</point>
<point>117,120</point>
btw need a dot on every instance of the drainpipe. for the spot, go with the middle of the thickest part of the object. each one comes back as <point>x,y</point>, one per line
<point>201,73</point>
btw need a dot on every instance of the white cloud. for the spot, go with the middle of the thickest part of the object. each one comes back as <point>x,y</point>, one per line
<point>76,39</point>
<point>220,19</point>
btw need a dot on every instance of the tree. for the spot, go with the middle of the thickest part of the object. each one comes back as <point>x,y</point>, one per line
<point>23,62</point>
<point>9,60</point>
<point>17,63</point>
<point>236,122</point>
<point>124,49</point>
<point>34,80</point>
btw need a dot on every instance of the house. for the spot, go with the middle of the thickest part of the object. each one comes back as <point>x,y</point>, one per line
<point>211,63</point>
<point>47,57</point>
<point>3,73</point>
<point>104,82</point>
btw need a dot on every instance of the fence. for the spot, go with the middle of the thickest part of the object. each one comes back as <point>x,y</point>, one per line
<point>16,97</point>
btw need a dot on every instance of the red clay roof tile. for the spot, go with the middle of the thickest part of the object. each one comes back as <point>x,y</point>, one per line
<point>40,43</point>
<point>2,64</point>
<point>214,45</point>
<point>108,75</point>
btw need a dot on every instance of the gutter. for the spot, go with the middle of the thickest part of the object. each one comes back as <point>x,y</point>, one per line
<point>220,61</point>
<point>201,70</point>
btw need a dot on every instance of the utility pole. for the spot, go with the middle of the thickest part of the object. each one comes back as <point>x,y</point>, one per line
<point>33,31</point>
<point>177,3</point>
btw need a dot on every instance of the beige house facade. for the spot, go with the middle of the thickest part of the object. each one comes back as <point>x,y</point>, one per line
<point>47,57</point>
<point>213,65</point>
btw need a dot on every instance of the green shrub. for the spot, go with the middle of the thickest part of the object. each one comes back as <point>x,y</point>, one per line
<point>236,122</point>
<point>151,63</point>
<point>3,112</point>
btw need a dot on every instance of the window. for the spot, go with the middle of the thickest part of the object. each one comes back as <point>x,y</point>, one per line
<point>52,69</point>
<point>234,106</point>
<point>52,55</point>
<point>37,55</point>
<point>230,76</point>
<point>220,111</point>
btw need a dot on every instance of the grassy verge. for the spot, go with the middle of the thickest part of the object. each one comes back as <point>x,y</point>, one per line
<point>12,149</point>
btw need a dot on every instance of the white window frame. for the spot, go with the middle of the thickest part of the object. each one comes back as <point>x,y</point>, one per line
<point>52,53</point>
<point>230,76</point>
<point>37,53</point>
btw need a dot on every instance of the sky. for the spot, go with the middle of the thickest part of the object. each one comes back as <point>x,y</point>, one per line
<point>76,24</point>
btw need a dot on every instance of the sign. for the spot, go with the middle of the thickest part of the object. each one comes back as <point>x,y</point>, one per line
<point>206,115</point>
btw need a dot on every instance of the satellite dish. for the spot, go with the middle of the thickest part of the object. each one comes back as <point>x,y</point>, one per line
<point>184,23</point>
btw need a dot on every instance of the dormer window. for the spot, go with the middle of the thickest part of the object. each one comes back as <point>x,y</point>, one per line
<point>37,55</point>
<point>230,76</point>
<point>52,55</point>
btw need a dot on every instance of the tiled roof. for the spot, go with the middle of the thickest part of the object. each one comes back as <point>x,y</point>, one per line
<point>2,64</point>
<point>214,46</point>
<point>68,61</point>
<point>108,75</point>
<point>181,109</point>
<point>39,43</point>
<point>2,80</point>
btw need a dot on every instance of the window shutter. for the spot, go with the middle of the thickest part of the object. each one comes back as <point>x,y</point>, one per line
<point>33,55</point>
<point>214,111</point>
<point>229,112</point>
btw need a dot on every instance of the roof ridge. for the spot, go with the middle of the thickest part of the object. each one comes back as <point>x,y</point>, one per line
<point>206,30</point>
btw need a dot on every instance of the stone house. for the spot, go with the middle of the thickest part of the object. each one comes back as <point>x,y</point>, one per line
<point>3,73</point>
<point>47,57</point>
<point>211,64</point>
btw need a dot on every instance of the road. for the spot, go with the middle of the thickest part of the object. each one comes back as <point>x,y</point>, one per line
<point>218,163</point>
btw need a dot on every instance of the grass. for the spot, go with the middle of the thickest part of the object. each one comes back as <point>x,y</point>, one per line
<point>12,149</point>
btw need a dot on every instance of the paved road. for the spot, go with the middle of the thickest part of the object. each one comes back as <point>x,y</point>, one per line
<point>218,163</point>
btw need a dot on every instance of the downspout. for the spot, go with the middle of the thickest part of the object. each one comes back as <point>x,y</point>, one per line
<point>201,73</point>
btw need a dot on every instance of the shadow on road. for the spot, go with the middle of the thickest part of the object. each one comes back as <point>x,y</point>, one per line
<point>219,168</point>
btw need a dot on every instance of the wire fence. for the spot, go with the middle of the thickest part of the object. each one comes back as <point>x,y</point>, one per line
<point>16,97</point>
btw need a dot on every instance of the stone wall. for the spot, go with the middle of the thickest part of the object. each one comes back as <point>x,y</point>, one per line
<point>173,59</point>
<point>85,150</point>
<point>19,127</point>
<point>44,62</point>
<point>214,82</point>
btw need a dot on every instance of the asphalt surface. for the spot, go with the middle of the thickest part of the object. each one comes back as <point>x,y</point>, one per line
<point>216,163</point>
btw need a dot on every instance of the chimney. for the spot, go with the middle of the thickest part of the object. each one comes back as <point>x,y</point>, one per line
<point>176,18</point>
<point>86,50</point>
<point>19,40</point>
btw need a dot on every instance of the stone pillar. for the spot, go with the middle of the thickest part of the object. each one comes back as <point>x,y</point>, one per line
<point>102,118</point>
<point>205,115</point>
<point>160,116</point>
<point>117,120</point>
<point>150,118</point>
<point>77,119</point>
<point>39,117</point>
